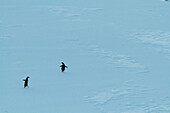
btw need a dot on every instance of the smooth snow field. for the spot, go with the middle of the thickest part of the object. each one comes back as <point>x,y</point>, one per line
<point>117,53</point>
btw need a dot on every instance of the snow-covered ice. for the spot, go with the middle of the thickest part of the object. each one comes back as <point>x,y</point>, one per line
<point>117,53</point>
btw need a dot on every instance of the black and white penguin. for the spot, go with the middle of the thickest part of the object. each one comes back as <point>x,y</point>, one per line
<point>63,66</point>
<point>26,82</point>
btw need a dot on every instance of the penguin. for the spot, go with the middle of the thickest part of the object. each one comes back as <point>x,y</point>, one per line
<point>63,66</point>
<point>26,82</point>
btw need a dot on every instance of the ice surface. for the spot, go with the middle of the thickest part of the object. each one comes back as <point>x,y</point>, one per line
<point>117,53</point>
